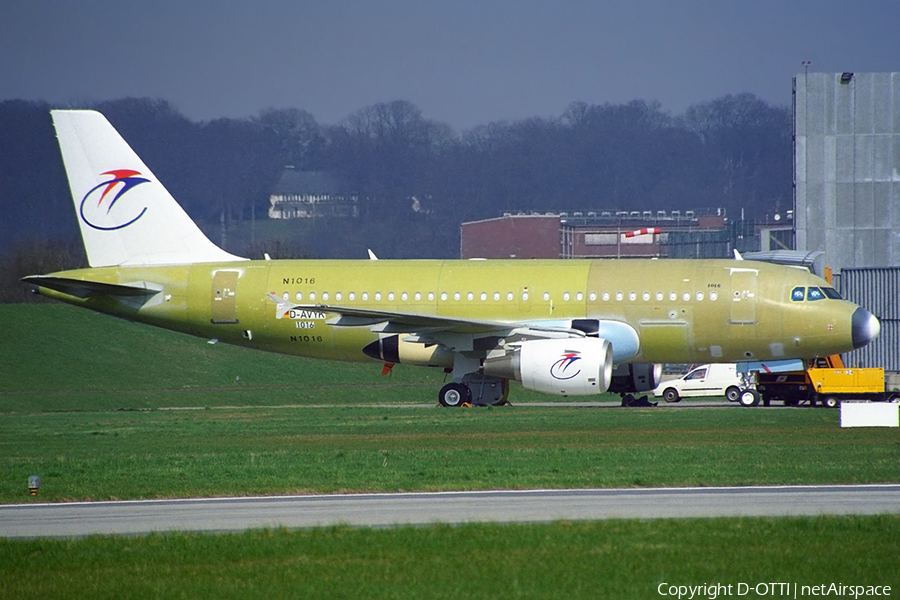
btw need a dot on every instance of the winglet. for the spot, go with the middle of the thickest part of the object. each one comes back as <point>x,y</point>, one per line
<point>282,307</point>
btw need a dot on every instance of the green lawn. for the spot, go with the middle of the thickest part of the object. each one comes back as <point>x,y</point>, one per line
<point>82,400</point>
<point>611,559</point>
<point>101,408</point>
<point>58,357</point>
<point>241,451</point>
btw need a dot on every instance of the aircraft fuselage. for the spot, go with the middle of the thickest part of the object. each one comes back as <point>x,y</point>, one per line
<point>680,310</point>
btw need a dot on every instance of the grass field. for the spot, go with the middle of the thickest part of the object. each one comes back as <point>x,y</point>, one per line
<point>102,408</point>
<point>618,559</point>
<point>241,451</point>
<point>85,403</point>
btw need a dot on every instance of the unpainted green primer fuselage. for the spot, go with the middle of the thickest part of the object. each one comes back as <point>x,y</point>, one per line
<point>681,310</point>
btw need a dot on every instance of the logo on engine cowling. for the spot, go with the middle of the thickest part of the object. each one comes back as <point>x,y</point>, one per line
<point>567,366</point>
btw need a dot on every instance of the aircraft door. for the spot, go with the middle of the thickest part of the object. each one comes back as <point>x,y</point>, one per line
<point>743,297</point>
<point>224,293</point>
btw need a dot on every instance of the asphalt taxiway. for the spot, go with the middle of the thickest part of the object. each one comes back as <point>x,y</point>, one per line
<point>76,519</point>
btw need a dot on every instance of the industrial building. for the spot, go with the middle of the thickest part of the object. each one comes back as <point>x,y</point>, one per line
<point>847,167</point>
<point>706,233</point>
<point>847,193</point>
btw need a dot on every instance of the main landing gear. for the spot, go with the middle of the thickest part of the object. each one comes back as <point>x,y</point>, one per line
<point>455,394</point>
<point>475,390</point>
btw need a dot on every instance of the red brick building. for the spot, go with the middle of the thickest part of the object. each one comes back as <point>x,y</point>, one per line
<point>619,234</point>
<point>511,236</point>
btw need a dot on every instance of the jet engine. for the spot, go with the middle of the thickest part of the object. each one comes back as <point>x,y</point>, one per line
<point>567,367</point>
<point>632,378</point>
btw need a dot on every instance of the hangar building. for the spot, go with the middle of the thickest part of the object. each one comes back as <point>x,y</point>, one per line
<point>847,193</point>
<point>847,167</point>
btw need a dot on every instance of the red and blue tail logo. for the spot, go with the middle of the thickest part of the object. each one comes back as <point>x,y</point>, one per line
<point>100,208</point>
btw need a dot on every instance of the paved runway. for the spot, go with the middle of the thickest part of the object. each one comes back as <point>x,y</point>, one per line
<point>385,510</point>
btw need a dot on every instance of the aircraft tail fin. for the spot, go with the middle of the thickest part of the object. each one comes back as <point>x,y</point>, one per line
<point>125,214</point>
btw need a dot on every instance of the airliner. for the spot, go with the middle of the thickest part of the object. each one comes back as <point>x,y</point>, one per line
<point>566,327</point>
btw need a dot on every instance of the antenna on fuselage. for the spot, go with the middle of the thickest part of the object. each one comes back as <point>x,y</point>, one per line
<point>372,255</point>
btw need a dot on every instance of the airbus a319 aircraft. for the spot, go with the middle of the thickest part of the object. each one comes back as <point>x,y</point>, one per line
<point>568,327</point>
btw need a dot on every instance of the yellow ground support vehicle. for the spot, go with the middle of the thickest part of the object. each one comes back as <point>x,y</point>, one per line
<point>827,381</point>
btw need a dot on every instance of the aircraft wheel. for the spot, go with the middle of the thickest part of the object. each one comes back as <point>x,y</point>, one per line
<point>749,398</point>
<point>831,402</point>
<point>454,394</point>
<point>671,395</point>
<point>733,394</point>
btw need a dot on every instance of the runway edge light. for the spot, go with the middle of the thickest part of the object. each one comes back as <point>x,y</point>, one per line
<point>34,482</point>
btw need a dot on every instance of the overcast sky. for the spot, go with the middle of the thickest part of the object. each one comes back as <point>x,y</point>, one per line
<point>464,62</point>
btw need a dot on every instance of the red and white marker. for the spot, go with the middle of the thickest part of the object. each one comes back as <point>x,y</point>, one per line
<point>644,231</point>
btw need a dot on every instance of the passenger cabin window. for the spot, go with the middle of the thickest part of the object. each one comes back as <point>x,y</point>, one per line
<point>797,294</point>
<point>814,293</point>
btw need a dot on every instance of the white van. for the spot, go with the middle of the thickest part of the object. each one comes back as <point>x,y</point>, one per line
<point>718,379</point>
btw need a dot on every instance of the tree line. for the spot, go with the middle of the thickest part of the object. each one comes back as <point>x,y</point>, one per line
<point>417,178</point>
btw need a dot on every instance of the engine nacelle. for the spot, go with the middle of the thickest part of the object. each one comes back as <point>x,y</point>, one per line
<point>567,367</point>
<point>642,377</point>
<point>395,350</point>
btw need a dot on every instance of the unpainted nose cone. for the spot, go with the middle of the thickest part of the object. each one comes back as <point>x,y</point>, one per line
<point>865,327</point>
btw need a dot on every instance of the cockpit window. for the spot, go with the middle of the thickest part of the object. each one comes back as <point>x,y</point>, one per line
<point>797,294</point>
<point>831,293</point>
<point>814,293</point>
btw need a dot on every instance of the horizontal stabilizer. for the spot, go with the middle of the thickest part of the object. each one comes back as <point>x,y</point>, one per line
<point>83,289</point>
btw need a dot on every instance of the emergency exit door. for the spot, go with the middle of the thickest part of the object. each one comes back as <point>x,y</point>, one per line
<point>743,297</point>
<point>224,297</point>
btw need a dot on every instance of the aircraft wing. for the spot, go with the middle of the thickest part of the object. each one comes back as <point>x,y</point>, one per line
<point>426,325</point>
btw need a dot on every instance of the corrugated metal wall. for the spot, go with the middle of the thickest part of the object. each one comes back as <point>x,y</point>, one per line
<point>847,167</point>
<point>878,291</point>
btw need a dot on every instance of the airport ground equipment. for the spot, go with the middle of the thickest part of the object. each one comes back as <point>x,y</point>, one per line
<point>826,381</point>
